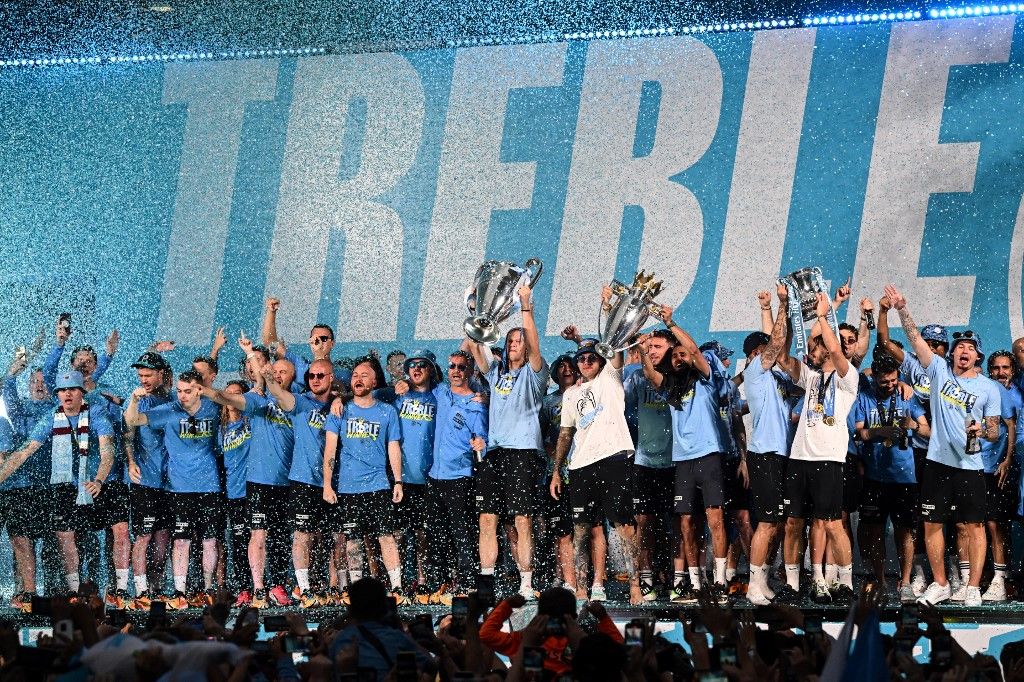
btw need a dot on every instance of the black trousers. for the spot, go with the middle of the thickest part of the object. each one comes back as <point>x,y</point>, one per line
<point>453,527</point>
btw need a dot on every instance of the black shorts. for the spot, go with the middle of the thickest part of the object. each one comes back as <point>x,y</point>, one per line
<point>1000,503</point>
<point>198,515</point>
<point>26,511</point>
<point>267,505</point>
<point>767,485</point>
<point>853,482</point>
<point>237,516</point>
<point>507,480</point>
<point>557,514</point>
<point>951,494</point>
<point>152,510</point>
<point>652,490</point>
<point>66,515</point>
<point>310,512</point>
<point>368,515</point>
<point>737,498</point>
<point>702,475</point>
<point>603,491</point>
<point>412,510</point>
<point>881,502</point>
<point>814,490</point>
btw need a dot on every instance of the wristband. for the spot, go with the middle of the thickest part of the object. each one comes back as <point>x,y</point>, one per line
<point>396,483</point>
<point>767,309</point>
<point>669,323</point>
<point>526,310</point>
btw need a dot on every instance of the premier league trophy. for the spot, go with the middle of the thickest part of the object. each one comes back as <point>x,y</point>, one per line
<point>627,314</point>
<point>804,286</point>
<point>494,296</point>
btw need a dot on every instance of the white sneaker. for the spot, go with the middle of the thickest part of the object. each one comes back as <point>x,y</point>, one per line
<point>973,596</point>
<point>597,593</point>
<point>936,594</point>
<point>919,584</point>
<point>959,593</point>
<point>756,596</point>
<point>996,591</point>
<point>908,593</point>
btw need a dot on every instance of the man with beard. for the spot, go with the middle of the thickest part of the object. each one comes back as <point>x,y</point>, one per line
<point>966,407</point>
<point>507,477</point>
<point>189,427</point>
<point>653,469</point>
<point>76,440</point>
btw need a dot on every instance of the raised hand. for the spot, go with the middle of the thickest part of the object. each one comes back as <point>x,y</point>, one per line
<point>821,306</point>
<point>244,342</point>
<point>666,313</point>
<point>843,292</point>
<point>782,292</point>
<point>572,333</point>
<point>525,293</point>
<point>896,299</point>
<point>63,333</point>
<point>112,342</point>
<point>764,299</point>
<point>884,304</point>
<point>220,339</point>
<point>165,346</point>
<point>273,304</point>
<point>867,305</point>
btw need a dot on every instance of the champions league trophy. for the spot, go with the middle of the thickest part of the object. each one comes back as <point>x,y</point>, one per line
<point>628,314</point>
<point>494,296</point>
<point>803,286</point>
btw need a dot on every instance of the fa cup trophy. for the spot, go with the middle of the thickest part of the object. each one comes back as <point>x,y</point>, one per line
<point>804,286</point>
<point>494,296</point>
<point>627,314</point>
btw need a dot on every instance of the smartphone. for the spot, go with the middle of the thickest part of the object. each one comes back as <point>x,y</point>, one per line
<point>812,625</point>
<point>274,623</point>
<point>41,606</point>
<point>727,654</point>
<point>422,627</point>
<point>294,643</point>
<point>634,634</point>
<point>485,590</point>
<point>909,616</point>
<point>406,668</point>
<point>252,617</point>
<point>942,649</point>
<point>64,628</point>
<point>460,607</point>
<point>117,618</point>
<point>300,657</point>
<point>260,646</point>
<point>533,659</point>
<point>698,625</point>
<point>555,627</point>
<point>904,645</point>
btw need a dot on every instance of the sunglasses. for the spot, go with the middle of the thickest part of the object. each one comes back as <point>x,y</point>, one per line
<point>587,358</point>
<point>318,375</point>
<point>419,364</point>
<point>967,334</point>
<point>458,366</point>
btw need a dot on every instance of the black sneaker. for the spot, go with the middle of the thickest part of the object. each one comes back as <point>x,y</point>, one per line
<point>843,595</point>
<point>820,594</point>
<point>787,595</point>
<point>683,593</point>
<point>719,594</point>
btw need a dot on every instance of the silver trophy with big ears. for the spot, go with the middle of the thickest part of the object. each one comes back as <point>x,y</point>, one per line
<point>627,313</point>
<point>804,286</point>
<point>494,296</point>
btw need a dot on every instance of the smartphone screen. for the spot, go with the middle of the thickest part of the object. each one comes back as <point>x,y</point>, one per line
<point>533,659</point>
<point>812,625</point>
<point>460,607</point>
<point>634,635</point>
<point>274,623</point>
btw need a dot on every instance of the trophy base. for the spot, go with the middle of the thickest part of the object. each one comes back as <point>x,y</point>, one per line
<point>605,351</point>
<point>481,329</point>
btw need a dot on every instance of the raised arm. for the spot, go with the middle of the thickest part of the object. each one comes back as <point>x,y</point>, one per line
<point>700,363</point>
<point>764,299</point>
<point>882,333</point>
<point>917,344</point>
<point>269,332</point>
<point>654,376</point>
<point>231,400</point>
<point>606,297</point>
<point>16,459</point>
<point>842,296</point>
<point>531,336</point>
<point>480,354</point>
<point>285,398</point>
<point>777,340</point>
<point>132,416</point>
<point>863,333</point>
<point>829,338</point>
<point>219,341</point>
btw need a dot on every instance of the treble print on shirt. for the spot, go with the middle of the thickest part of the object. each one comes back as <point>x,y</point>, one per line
<point>277,416</point>
<point>358,427</point>
<point>955,394</point>
<point>317,419</point>
<point>417,410</point>
<point>503,386</point>
<point>587,408</point>
<point>192,428</point>
<point>234,438</point>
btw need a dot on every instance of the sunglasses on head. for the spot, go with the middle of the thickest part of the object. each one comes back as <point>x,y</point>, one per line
<point>458,365</point>
<point>587,358</point>
<point>318,375</point>
<point>966,334</point>
<point>419,364</point>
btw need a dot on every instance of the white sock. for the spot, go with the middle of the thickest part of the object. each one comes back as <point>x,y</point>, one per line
<point>141,584</point>
<point>831,573</point>
<point>846,575</point>
<point>793,576</point>
<point>819,577</point>
<point>998,571</point>
<point>122,578</point>
<point>647,578</point>
<point>73,583</point>
<point>207,580</point>
<point>758,578</point>
<point>179,583</point>
<point>597,583</point>
<point>526,580</point>
<point>965,575</point>
<point>355,575</point>
<point>694,577</point>
<point>342,578</point>
<point>730,573</point>
<point>767,591</point>
<point>302,578</point>
<point>395,576</point>
<point>487,570</point>
<point>720,570</point>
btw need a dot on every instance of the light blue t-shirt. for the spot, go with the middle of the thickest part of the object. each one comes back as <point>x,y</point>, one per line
<point>191,442</point>
<point>1010,406</point>
<point>459,419</point>
<point>235,443</point>
<point>308,419</point>
<point>550,426</point>
<point>417,412</point>
<point>953,400</point>
<point>149,450</point>
<point>696,429</point>
<point>654,422</point>
<point>768,394</point>
<point>516,399</point>
<point>886,463</point>
<point>273,440</point>
<point>363,437</point>
<point>914,374</point>
<point>99,425</point>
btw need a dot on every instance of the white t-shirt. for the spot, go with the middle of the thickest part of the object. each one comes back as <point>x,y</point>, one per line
<point>597,410</point>
<point>817,440</point>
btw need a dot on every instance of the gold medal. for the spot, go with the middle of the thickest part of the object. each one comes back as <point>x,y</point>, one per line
<point>830,421</point>
<point>819,408</point>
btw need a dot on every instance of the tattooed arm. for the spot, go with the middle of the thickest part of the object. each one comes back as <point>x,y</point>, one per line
<point>764,299</point>
<point>777,341</point>
<point>330,459</point>
<point>924,353</point>
<point>565,435</point>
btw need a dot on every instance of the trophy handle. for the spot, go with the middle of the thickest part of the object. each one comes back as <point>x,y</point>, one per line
<point>470,301</point>
<point>534,267</point>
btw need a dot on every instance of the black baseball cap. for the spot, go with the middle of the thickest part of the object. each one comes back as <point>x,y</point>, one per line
<point>754,341</point>
<point>151,360</point>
